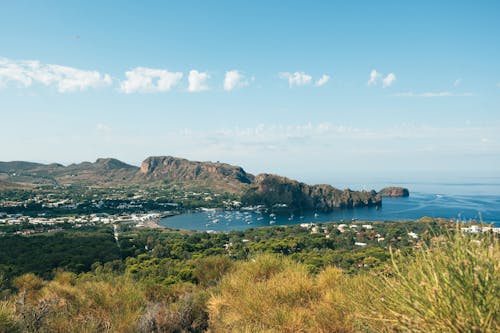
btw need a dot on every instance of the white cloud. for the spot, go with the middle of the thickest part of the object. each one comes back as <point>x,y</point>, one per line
<point>197,81</point>
<point>296,79</point>
<point>389,80</point>
<point>100,127</point>
<point>149,80</point>
<point>457,82</point>
<point>66,79</point>
<point>322,80</point>
<point>284,140</point>
<point>234,79</point>
<point>374,76</point>
<point>437,94</point>
<point>432,94</point>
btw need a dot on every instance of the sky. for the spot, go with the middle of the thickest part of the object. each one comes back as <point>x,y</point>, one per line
<point>321,91</point>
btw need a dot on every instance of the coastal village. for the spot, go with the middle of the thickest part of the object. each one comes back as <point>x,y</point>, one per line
<point>41,224</point>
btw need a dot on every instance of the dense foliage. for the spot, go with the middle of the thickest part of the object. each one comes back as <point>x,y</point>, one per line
<point>43,253</point>
<point>276,279</point>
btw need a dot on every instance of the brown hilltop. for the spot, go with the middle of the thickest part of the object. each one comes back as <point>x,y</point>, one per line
<point>220,176</point>
<point>103,172</point>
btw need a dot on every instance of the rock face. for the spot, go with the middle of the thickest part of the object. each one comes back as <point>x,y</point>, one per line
<point>172,169</point>
<point>394,192</point>
<point>273,190</point>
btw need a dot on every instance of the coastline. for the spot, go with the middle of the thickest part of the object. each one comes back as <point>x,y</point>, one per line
<point>153,224</point>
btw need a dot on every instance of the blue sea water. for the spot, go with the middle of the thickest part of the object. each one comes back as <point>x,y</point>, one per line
<point>477,203</point>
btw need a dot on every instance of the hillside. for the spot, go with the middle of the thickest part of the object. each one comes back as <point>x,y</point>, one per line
<point>217,176</point>
<point>273,190</point>
<point>265,189</point>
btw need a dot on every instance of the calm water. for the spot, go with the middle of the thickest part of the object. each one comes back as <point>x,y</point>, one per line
<point>416,206</point>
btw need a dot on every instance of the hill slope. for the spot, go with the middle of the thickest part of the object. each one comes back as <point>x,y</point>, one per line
<point>272,190</point>
<point>218,176</point>
<point>265,189</point>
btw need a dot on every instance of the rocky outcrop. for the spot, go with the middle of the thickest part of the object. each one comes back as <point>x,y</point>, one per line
<point>394,192</point>
<point>179,169</point>
<point>219,176</point>
<point>273,190</point>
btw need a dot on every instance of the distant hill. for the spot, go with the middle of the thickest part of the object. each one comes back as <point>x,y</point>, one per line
<point>265,189</point>
<point>103,172</point>
<point>112,172</point>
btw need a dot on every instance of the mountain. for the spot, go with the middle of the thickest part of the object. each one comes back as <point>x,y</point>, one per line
<point>264,189</point>
<point>154,170</point>
<point>103,172</point>
<point>218,176</point>
<point>275,191</point>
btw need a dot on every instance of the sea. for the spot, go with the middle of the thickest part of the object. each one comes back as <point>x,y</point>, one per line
<point>477,200</point>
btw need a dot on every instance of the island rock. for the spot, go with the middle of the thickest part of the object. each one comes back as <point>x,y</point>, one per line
<point>394,192</point>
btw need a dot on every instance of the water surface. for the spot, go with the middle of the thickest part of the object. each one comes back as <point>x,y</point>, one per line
<point>465,207</point>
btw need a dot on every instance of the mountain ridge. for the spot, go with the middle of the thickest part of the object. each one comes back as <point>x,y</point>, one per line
<point>263,189</point>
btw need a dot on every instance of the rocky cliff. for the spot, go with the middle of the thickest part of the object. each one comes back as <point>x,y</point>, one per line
<point>395,192</point>
<point>218,176</point>
<point>273,190</point>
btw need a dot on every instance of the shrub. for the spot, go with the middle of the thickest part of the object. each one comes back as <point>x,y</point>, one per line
<point>8,321</point>
<point>275,294</point>
<point>452,285</point>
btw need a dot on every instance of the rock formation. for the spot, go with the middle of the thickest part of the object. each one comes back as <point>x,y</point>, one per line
<point>394,192</point>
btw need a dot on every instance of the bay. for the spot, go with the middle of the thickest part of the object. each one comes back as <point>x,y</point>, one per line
<point>483,207</point>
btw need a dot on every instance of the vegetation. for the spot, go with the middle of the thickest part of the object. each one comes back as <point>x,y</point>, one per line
<point>451,285</point>
<point>278,279</point>
<point>44,253</point>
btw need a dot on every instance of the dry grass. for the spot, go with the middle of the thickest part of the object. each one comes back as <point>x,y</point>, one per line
<point>276,294</point>
<point>68,304</point>
<point>451,286</point>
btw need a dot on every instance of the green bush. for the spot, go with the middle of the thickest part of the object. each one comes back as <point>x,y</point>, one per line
<point>8,321</point>
<point>452,285</point>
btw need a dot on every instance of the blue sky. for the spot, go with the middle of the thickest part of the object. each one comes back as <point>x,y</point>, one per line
<point>315,90</point>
